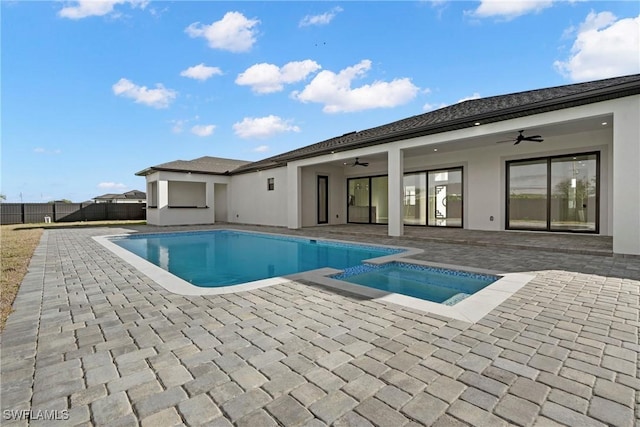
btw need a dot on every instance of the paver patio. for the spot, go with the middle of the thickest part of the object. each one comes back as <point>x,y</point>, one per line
<point>95,337</point>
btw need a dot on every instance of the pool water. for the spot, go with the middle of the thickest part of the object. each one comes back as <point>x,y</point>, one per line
<point>428,283</point>
<point>225,257</point>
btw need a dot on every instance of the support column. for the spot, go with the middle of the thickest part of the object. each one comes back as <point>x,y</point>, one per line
<point>294,197</point>
<point>163,202</point>
<point>626,176</point>
<point>395,166</point>
<point>163,194</point>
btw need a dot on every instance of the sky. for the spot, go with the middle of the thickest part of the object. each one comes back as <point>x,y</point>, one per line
<point>94,91</point>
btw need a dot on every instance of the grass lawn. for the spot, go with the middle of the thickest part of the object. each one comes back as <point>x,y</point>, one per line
<point>17,244</point>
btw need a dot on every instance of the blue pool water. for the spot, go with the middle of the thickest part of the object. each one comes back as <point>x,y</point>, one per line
<point>224,257</point>
<point>432,284</point>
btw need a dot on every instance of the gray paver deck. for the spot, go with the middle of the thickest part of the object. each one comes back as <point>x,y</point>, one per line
<point>94,338</point>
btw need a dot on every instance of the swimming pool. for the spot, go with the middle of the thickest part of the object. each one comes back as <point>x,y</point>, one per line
<point>225,257</point>
<point>470,309</point>
<point>443,286</point>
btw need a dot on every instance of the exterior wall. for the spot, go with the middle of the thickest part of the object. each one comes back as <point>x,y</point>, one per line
<point>337,194</point>
<point>174,190</point>
<point>626,177</point>
<point>252,203</point>
<point>484,174</point>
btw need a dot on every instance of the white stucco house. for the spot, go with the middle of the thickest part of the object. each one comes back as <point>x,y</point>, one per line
<point>559,159</point>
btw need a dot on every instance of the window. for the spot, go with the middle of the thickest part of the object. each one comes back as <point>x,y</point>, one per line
<point>557,193</point>
<point>323,199</point>
<point>270,184</point>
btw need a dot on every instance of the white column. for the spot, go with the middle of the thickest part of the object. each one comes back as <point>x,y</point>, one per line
<point>626,176</point>
<point>211,199</point>
<point>163,194</point>
<point>163,202</point>
<point>395,166</point>
<point>294,197</point>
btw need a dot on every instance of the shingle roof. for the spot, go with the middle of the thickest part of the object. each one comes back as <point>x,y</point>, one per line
<point>463,115</point>
<point>205,165</point>
<point>133,194</point>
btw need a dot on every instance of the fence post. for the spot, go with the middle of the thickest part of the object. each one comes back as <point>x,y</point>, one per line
<point>22,213</point>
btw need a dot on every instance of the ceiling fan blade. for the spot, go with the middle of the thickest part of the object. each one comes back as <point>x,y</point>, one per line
<point>532,137</point>
<point>506,140</point>
<point>365,164</point>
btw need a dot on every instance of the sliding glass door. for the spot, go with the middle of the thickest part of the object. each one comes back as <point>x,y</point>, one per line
<point>553,193</point>
<point>368,200</point>
<point>433,198</point>
<point>359,201</point>
<point>379,200</point>
<point>415,199</point>
<point>527,195</point>
<point>445,198</point>
<point>574,184</point>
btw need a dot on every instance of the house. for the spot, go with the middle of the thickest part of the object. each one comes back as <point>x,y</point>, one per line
<point>559,159</point>
<point>133,196</point>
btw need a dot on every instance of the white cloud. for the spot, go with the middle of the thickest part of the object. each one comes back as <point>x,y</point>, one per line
<point>335,92</point>
<point>179,124</point>
<point>475,95</point>
<point>269,78</point>
<point>322,19</point>
<point>261,148</point>
<point>604,47</point>
<point>234,32</point>
<point>263,127</point>
<point>203,130</point>
<point>431,107</point>
<point>85,8</point>
<point>112,186</point>
<point>201,72</point>
<point>160,97</point>
<point>509,9</point>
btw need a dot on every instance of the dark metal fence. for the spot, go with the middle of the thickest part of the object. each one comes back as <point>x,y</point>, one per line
<point>30,213</point>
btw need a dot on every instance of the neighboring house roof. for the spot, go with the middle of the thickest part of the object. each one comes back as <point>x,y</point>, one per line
<point>204,165</point>
<point>463,115</point>
<point>129,195</point>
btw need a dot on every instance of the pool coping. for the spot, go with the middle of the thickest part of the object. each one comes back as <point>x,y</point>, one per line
<point>471,309</point>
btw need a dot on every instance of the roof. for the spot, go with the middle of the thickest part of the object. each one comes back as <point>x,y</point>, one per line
<point>204,165</point>
<point>464,115</point>
<point>129,195</point>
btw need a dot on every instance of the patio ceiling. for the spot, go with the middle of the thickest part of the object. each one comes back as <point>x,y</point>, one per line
<point>548,132</point>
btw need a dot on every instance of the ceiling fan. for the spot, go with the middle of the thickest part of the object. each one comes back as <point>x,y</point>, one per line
<point>359,163</point>
<point>521,137</point>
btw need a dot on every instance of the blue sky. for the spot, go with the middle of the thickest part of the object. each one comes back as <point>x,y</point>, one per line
<point>93,92</point>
